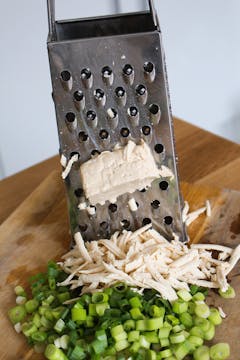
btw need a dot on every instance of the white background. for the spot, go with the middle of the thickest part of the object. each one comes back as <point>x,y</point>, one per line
<point>202,46</point>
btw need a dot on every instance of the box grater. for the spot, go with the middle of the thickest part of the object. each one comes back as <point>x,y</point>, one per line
<point>109,86</point>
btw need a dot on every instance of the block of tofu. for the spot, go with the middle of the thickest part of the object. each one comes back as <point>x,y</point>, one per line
<point>115,173</point>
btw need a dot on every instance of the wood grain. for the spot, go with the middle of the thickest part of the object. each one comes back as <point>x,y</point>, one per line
<point>203,157</point>
<point>38,231</point>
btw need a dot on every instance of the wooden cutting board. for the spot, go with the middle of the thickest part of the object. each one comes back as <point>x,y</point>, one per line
<point>37,231</point>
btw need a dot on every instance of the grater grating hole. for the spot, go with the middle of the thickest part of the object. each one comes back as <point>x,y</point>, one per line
<point>146,130</point>
<point>113,208</point>
<point>86,74</point>
<point>70,117</point>
<point>79,192</point>
<point>95,152</point>
<point>163,185</point>
<point>104,225</point>
<point>159,148</point>
<point>125,132</point>
<point>146,221</point>
<point>143,190</point>
<point>128,70</point>
<point>148,67</point>
<point>65,75</point>
<point>141,90</point>
<point>120,92</point>
<point>154,109</point>
<point>78,95</point>
<point>103,134</point>
<point>99,94</point>
<point>91,115</point>
<point>168,220</point>
<point>112,113</point>
<point>83,227</point>
<point>74,153</point>
<point>125,224</point>
<point>133,111</point>
<point>155,204</point>
<point>83,136</point>
<point>106,72</point>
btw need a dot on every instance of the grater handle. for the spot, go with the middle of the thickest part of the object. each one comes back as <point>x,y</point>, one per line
<point>51,16</point>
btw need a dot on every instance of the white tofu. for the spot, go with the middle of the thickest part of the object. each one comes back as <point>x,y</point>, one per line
<point>115,173</point>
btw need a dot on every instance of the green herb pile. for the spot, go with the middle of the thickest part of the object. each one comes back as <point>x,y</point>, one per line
<point>117,323</point>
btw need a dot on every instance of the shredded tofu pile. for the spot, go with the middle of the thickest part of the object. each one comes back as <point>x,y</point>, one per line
<point>145,259</point>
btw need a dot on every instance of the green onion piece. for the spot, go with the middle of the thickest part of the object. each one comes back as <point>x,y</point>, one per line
<point>202,310</point>
<point>135,302</point>
<point>52,283</point>
<point>53,269</point>
<point>220,351</point>
<point>201,353</point>
<point>52,338</point>
<point>177,338</point>
<point>198,297</point>
<point>136,314</point>
<point>98,346</point>
<point>133,335</point>
<point>78,314</point>
<point>204,324</point>
<point>156,311</point>
<point>121,345</point>
<point>45,322</point>
<point>178,328</point>
<point>150,355</point>
<point>73,337</point>
<point>194,289</point>
<point>59,326</point>
<point>182,350</point>
<point>100,308</point>
<point>154,324</point>
<point>215,317</point>
<point>164,342</point>
<point>77,353</point>
<point>179,306</point>
<point>151,336</point>
<point>92,310</point>
<point>143,342</point>
<point>17,314</point>
<point>197,331</point>
<point>71,324</point>
<point>164,332</point>
<point>135,347</point>
<point>129,325</point>
<point>39,336</point>
<point>31,306</point>
<point>141,325</point>
<point>65,313</point>
<point>108,291</point>
<point>53,353</point>
<point>195,340</point>
<point>172,319</point>
<point>64,340</point>
<point>102,336</point>
<point>37,320</point>
<point>124,305</point>
<point>184,295</point>
<point>186,319</point>
<point>89,321</point>
<point>62,297</point>
<point>28,329</point>
<point>165,353</point>
<point>120,287</point>
<point>99,297</point>
<point>19,291</point>
<point>210,333</point>
<point>229,294</point>
<point>116,330</point>
<point>191,307</point>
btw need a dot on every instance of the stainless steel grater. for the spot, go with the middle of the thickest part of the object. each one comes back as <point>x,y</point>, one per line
<point>110,85</point>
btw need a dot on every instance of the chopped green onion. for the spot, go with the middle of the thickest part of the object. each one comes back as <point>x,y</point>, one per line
<point>165,353</point>
<point>29,329</point>
<point>151,336</point>
<point>204,324</point>
<point>220,351</point>
<point>100,308</point>
<point>78,314</point>
<point>179,306</point>
<point>133,335</point>
<point>129,325</point>
<point>59,326</point>
<point>195,340</point>
<point>53,353</point>
<point>215,317</point>
<point>143,342</point>
<point>135,302</point>
<point>39,336</point>
<point>198,297</point>
<point>99,297</point>
<point>184,295</point>
<point>201,353</point>
<point>186,319</point>
<point>196,331</point>
<point>121,345</point>
<point>202,310</point>
<point>177,338</point>
<point>154,324</point>
<point>17,314</point>
<point>183,350</point>
<point>164,342</point>
<point>156,311</point>
<point>136,314</point>
<point>120,287</point>
<point>31,306</point>
<point>19,291</point>
<point>229,294</point>
<point>210,333</point>
<point>164,332</point>
<point>150,355</point>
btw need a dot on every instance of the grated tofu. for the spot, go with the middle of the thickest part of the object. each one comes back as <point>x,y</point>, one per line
<point>69,165</point>
<point>145,259</point>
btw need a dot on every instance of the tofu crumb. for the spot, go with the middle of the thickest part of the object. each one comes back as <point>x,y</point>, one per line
<point>132,205</point>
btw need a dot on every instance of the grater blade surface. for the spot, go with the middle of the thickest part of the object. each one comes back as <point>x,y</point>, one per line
<point>122,75</point>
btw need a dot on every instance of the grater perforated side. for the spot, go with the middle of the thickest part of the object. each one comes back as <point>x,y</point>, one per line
<point>109,88</point>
